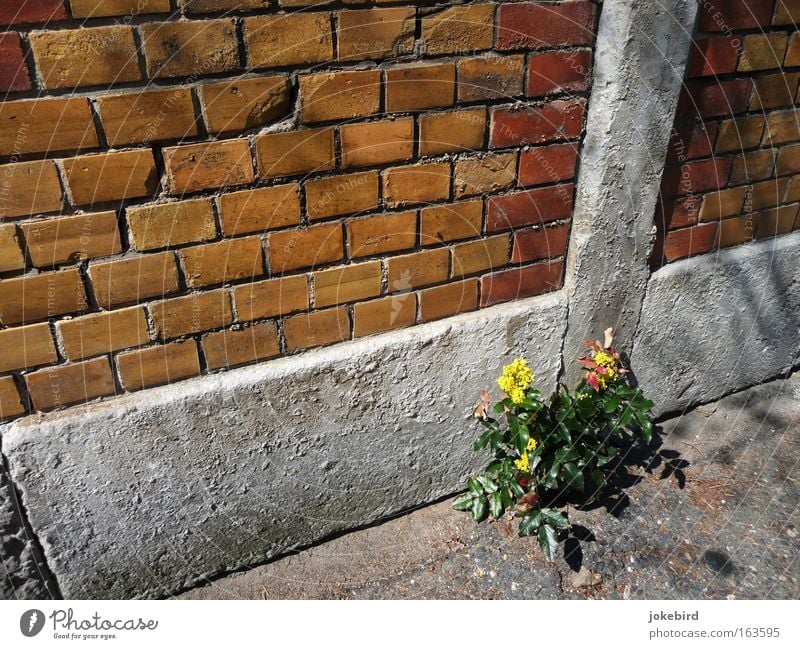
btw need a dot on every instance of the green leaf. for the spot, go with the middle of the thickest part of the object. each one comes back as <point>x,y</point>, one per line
<point>548,540</point>
<point>606,456</point>
<point>626,392</point>
<point>530,524</point>
<point>483,440</point>
<point>640,403</point>
<point>475,487</point>
<point>499,406</point>
<point>566,455</point>
<point>646,425</point>
<point>521,442</point>
<point>480,507</point>
<point>489,485</point>
<point>574,476</point>
<point>463,502</point>
<point>626,417</point>
<point>611,404</point>
<point>555,518</point>
<point>496,505</point>
<point>518,491</point>
<point>505,498</point>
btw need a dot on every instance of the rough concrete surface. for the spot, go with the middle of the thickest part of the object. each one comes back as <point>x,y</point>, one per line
<point>642,49</point>
<point>712,515</point>
<point>143,497</point>
<point>719,323</point>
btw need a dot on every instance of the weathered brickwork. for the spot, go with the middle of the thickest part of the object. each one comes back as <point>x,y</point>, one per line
<point>733,167</point>
<point>195,185</point>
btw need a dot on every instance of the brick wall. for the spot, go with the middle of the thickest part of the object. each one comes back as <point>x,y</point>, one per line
<point>733,168</point>
<point>189,186</point>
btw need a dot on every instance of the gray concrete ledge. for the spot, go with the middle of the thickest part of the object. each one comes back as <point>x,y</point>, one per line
<point>146,494</point>
<point>719,323</point>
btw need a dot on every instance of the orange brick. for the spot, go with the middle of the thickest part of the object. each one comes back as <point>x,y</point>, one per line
<point>191,314</point>
<point>100,333</point>
<point>762,52</point>
<point>124,281</point>
<point>756,165</point>
<point>417,87</point>
<point>377,234</point>
<point>345,194</point>
<point>190,47</point>
<point>774,91</point>
<point>259,210</point>
<point>317,328</point>
<point>93,179</point>
<point>272,297</point>
<point>418,269</point>
<point>386,314</point>
<point>71,58</point>
<point>150,116</point>
<point>43,296</point>
<point>767,194</point>
<point>71,238</point>
<point>451,222</point>
<point>46,125</point>
<point>237,347</point>
<point>788,160</point>
<point>296,152</point>
<point>449,299</point>
<point>25,347</point>
<point>461,130</point>
<point>731,232</point>
<point>55,387</point>
<point>347,283</point>
<point>493,77</point>
<point>171,224</point>
<point>158,365</point>
<point>739,134</point>
<point>459,29</point>
<point>793,192</point>
<point>782,127</point>
<point>418,183</point>
<point>327,96</point>
<point>10,402</point>
<point>29,188</point>
<point>787,12</point>
<point>103,8</point>
<point>476,256</point>
<point>244,103</point>
<point>376,143</point>
<point>208,165</point>
<point>225,261</point>
<point>11,257</point>
<point>314,246</point>
<point>726,202</point>
<point>375,33</point>
<point>793,51</point>
<point>484,174</point>
<point>776,221</point>
<point>217,6</point>
<point>288,39</point>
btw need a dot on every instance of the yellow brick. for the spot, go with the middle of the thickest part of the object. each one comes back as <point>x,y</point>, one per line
<point>230,348</point>
<point>29,188</point>
<point>385,233</point>
<point>272,297</point>
<point>461,130</point>
<point>477,256</point>
<point>459,29</point>
<point>134,279</point>
<point>158,365</point>
<point>295,152</point>
<point>244,104</point>
<point>418,269</point>
<point>209,165</point>
<point>102,8</point>
<point>64,385</point>
<point>25,347</point>
<point>10,402</point>
<point>386,314</point>
<point>485,174</point>
<point>43,296</point>
<point>46,125</point>
<point>288,39</point>
<point>314,246</point>
<point>451,222</point>
<point>377,143</point>
<point>71,238</point>
<point>222,262</point>
<point>375,33</point>
<point>108,177</point>
<point>171,224</point>
<point>344,194</point>
<point>347,283</point>
<point>727,202</point>
<point>340,95</point>
<point>100,333</point>
<point>190,314</point>
<point>447,300</point>
<point>11,257</point>
<point>317,328</point>
<point>418,183</point>
<point>259,210</point>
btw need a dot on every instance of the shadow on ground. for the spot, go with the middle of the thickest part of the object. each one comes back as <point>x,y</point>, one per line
<point>712,515</point>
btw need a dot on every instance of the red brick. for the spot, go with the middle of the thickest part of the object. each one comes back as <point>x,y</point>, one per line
<point>715,55</point>
<point>551,72</point>
<point>694,177</point>
<point>542,26</point>
<point>542,165</point>
<point>724,15</point>
<point>556,120</point>
<point>55,387</point>
<point>518,283</point>
<point>689,241</point>
<point>541,243</point>
<point>17,12</point>
<point>679,213</point>
<point>693,141</point>
<point>13,72</point>
<point>530,207</point>
<point>714,98</point>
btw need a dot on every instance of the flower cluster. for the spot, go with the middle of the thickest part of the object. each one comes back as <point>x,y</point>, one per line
<point>516,378</point>
<point>605,365</point>
<point>523,463</point>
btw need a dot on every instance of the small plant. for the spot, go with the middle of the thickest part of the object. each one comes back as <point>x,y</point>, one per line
<point>567,444</point>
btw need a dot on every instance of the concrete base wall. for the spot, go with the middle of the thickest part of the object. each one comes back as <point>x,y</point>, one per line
<point>146,494</point>
<point>719,323</point>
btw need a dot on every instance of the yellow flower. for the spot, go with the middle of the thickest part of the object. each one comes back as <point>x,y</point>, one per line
<point>532,444</point>
<point>515,380</point>
<point>523,463</point>
<point>609,363</point>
